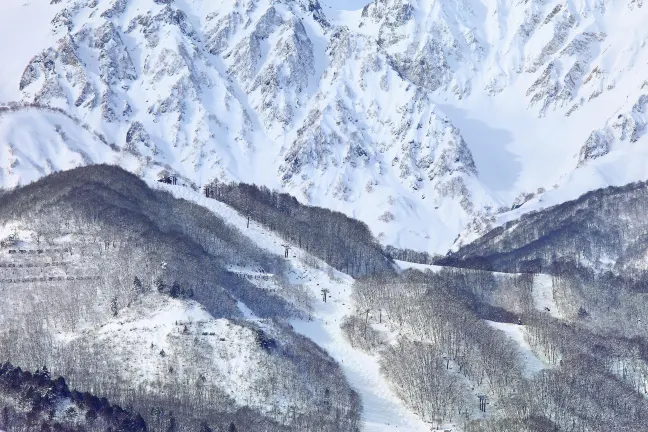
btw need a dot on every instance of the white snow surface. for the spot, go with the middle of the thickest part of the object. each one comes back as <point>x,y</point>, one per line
<point>424,119</point>
<point>25,29</point>
<point>228,359</point>
<point>347,5</point>
<point>532,364</point>
<point>36,142</point>
<point>383,410</point>
<point>543,297</point>
<point>405,265</point>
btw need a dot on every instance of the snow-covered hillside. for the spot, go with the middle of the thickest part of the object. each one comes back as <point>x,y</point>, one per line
<point>422,118</point>
<point>383,410</point>
<point>222,350</point>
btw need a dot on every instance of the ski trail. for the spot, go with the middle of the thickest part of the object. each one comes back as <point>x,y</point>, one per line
<point>383,411</point>
<point>532,364</point>
<point>543,298</point>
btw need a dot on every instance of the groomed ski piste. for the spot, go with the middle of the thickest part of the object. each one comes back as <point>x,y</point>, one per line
<point>543,301</point>
<point>382,409</point>
<point>532,364</point>
<point>543,297</point>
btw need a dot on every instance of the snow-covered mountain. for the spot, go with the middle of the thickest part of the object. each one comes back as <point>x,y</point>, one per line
<point>422,118</point>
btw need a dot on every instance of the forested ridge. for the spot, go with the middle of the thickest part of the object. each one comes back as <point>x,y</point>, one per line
<point>543,318</point>
<point>450,351</point>
<point>36,401</point>
<point>603,230</point>
<point>206,301</point>
<point>129,293</point>
<point>147,301</point>
<point>346,244</point>
<point>594,248</point>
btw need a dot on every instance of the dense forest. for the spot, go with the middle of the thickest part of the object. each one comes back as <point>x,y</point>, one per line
<point>603,230</point>
<point>567,282</point>
<point>135,301</point>
<point>595,249</point>
<point>450,352</point>
<point>142,299</point>
<point>36,401</point>
<point>410,255</point>
<point>344,243</point>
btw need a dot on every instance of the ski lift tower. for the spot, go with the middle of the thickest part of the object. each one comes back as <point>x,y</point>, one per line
<point>287,250</point>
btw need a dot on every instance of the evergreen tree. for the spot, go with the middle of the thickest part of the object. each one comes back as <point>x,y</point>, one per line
<point>327,400</point>
<point>5,417</point>
<point>91,415</point>
<point>175,290</point>
<point>137,285</point>
<point>173,426</point>
<point>232,427</point>
<point>114,308</point>
<point>43,374</point>
<point>160,285</point>
<point>139,423</point>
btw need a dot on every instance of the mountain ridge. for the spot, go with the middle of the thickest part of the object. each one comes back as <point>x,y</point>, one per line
<point>423,119</point>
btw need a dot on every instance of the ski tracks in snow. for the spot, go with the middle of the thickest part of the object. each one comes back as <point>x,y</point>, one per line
<point>383,410</point>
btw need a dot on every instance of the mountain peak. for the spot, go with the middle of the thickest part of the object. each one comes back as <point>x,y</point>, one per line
<point>451,107</point>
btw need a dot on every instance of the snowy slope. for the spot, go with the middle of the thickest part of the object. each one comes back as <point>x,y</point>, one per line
<point>37,142</point>
<point>532,364</point>
<point>157,340</point>
<point>543,296</point>
<point>227,355</point>
<point>423,118</point>
<point>383,411</point>
<point>27,25</point>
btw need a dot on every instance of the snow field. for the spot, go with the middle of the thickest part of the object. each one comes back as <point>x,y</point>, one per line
<point>519,143</point>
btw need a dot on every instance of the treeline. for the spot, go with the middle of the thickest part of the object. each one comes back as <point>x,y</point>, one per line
<point>604,302</point>
<point>410,255</point>
<point>344,243</point>
<point>35,401</point>
<point>593,247</point>
<point>148,234</point>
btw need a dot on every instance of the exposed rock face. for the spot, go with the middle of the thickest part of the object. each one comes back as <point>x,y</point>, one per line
<point>455,45</point>
<point>625,128</point>
<point>206,88</point>
<point>341,112</point>
<point>395,126</point>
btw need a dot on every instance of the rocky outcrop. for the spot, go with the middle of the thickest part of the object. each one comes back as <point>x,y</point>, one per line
<point>622,130</point>
<point>332,108</point>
